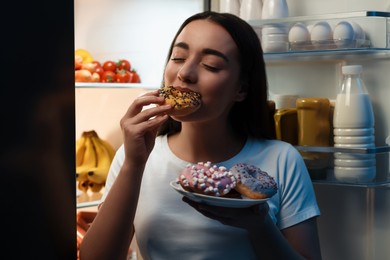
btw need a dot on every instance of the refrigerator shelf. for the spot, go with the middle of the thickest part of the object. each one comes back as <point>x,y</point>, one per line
<point>115,85</point>
<point>331,149</point>
<point>320,164</point>
<point>374,24</point>
<point>347,15</point>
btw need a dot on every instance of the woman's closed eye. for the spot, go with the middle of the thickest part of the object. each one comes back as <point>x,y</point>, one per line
<point>175,59</point>
<point>211,68</point>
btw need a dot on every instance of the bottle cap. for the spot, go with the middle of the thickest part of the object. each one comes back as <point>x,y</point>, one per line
<point>352,69</point>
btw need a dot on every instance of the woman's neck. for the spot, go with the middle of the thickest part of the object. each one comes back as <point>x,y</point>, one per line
<point>197,143</point>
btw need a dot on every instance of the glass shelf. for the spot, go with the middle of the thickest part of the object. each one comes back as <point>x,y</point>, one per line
<point>329,55</point>
<point>294,19</point>
<point>87,199</point>
<point>376,45</point>
<point>319,161</point>
<point>114,85</point>
<point>331,149</point>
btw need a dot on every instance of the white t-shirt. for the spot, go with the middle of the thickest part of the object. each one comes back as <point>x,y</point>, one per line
<point>168,228</point>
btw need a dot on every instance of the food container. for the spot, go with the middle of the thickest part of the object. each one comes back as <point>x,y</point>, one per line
<point>370,30</point>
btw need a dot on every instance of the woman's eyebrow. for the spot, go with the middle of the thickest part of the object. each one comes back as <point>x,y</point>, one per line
<point>182,45</point>
<point>216,53</point>
<point>206,51</point>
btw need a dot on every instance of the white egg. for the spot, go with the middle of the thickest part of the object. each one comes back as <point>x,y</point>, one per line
<point>360,34</point>
<point>344,34</point>
<point>343,31</point>
<point>299,33</point>
<point>321,31</point>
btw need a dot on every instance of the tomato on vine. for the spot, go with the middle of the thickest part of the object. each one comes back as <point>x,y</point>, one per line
<point>108,76</point>
<point>123,64</point>
<point>123,76</point>
<point>109,66</point>
<point>134,77</point>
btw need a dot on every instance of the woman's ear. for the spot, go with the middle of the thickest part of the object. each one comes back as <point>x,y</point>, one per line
<point>241,94</point>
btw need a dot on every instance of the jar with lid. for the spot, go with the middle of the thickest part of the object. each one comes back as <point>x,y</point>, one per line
<point>274,37</point>
<point>251,9</point>
<point>353,123</point>
<point>274,9</point>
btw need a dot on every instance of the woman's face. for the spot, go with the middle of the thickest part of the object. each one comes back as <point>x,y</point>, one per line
<point>205,59</point>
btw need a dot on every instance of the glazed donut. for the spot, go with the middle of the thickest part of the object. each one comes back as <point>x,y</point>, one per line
<point>252,182</point>
<point>183,101</point>
<point>208,179</point>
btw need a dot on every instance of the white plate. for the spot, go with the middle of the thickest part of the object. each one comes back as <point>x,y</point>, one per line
<point>216,201</point>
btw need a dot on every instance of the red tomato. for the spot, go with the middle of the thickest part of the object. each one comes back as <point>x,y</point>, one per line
<point>123,64</point>
<point>123,76</point>
<point>99,70</point>
<point>134,77</point>
<point>109,66</point>
<point>108,76</point>
<point>98,64</point>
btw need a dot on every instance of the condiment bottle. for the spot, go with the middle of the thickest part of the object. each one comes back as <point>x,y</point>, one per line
<point>353,123</point>
<point>230,6</point>
<point>251,9</point>
<point>314,130</point>
<point>286,125</point>
<point>274,37</point>
<point>274,9</point>
<point>313,121</point>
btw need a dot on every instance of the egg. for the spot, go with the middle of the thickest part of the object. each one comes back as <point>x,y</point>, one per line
<point>344,34</point>
<point>321,32</point>
<point>343,31</point>
<point>298,33</point>
<point>360,34</point>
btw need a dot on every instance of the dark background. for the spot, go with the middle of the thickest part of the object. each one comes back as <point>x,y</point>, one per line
<point>37,130</point>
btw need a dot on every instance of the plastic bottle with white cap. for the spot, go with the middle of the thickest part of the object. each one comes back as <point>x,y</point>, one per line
<point>353,123</point>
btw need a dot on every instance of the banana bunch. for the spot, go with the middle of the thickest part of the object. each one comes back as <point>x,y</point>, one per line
<point>93,160</point>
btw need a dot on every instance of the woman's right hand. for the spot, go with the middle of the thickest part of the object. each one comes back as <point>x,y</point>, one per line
<point>139,126</point>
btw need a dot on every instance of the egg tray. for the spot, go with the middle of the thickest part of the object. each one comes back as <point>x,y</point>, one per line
<point>329,45</point>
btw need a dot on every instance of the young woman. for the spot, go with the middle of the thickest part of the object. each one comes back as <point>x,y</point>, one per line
<point>219,56</point>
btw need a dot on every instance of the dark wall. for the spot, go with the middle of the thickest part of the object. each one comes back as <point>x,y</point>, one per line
<point>37,130</point>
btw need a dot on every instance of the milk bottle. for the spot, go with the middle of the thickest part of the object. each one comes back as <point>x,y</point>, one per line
<point>353,123</point>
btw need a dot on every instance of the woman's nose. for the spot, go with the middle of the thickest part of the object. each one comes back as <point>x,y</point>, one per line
<point>187,73</point>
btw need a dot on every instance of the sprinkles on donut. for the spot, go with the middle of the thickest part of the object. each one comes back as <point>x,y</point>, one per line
<point>208,179</point>
<point>182,101</point>
<point>252,182</point>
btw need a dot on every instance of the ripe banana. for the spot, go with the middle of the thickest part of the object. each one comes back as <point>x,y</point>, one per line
<point>89,160</point>
<point>99,173</point>
<point>93,160</point>
<point>108,146</point>
<point>83,185</point>
<point>80,150</point>
<point>95,187</point>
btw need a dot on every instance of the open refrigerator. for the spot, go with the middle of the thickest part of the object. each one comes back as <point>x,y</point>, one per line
<point>354,216</point>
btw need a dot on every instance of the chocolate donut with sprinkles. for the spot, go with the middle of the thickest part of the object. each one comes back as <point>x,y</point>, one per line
<point>252,182</point>
<point>208,179</point>
<point>183,101</point>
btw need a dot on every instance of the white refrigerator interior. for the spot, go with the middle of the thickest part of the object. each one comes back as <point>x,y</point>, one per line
<point>354,221</point>
<point>140,31</point>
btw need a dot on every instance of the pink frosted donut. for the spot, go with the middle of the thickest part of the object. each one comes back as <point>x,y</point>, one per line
<point>252,182</point>
<point>208,179</point>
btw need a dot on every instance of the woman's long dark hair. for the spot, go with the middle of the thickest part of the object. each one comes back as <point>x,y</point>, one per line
<point>250,117</point>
